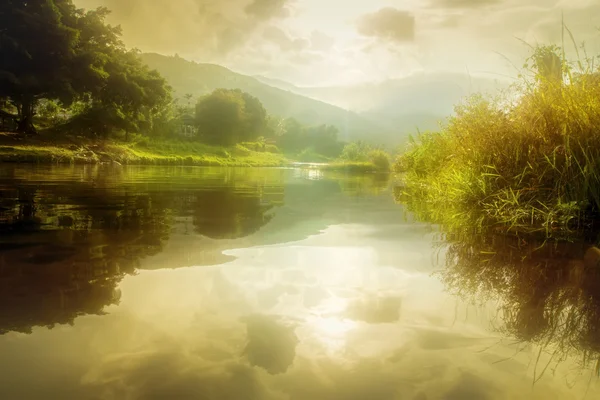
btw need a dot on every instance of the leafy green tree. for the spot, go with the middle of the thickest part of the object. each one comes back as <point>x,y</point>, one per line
<point>226,117</point>
<point>52,50</point>
<point>255,118</point>
<point>296,138</point>
<point>132,93</point>
<point>324,139</point>
<point>291,141</point>
<point>380,159</point>
<point>356,151</point>
<point>37,48</point>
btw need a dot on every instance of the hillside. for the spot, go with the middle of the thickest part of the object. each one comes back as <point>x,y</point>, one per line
<point>199,79</point>
<point>420,101</point>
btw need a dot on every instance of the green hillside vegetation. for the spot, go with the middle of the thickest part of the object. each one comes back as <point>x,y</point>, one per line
<point>77,94</point>
<point>197,79</point>
<point>526,161</point>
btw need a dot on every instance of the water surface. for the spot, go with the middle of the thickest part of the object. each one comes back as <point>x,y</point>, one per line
<point>213,283</point>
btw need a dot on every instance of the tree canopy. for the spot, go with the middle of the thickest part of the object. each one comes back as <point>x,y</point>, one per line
<point>49,49</point>
<point>226,117</point>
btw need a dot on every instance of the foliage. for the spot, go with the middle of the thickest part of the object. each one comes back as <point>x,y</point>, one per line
<point>530,161</point>
<point>547,290</point>
<point>226,117</point>
<point>295,138</point>
<point>355,151</point>
<point>37,50</point>
<point>53,51</point>
<point>310,155</point>
<point>361,152</point>
<point>380,159</point>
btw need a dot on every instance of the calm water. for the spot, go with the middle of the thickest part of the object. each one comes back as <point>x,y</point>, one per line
<point>226,284</point>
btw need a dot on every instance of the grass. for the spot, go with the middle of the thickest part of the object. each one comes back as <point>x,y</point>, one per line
<point>78,151</point>
<point>352,166</point>
<point>141,150</point>
<point>525,160</point>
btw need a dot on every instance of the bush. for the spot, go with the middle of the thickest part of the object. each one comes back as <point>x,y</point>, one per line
<point>380,159</point>
<point>271,148</point>
<point>356,152</point>
<point>220,152</point>
<point>240,150</point>
<point>139,140</point>
<point>310,155</point>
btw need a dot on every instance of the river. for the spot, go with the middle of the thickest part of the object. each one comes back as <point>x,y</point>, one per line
<point>215,283</point>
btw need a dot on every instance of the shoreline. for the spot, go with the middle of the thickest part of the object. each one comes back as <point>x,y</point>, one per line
<point>102,153</point>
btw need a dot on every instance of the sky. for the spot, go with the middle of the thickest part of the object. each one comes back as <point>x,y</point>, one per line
<point>345,42</point>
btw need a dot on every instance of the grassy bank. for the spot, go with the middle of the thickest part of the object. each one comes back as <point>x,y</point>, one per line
<point>529,160</point>
<point>141,151</point>
<point>79,151</point>
<point>354,167</point>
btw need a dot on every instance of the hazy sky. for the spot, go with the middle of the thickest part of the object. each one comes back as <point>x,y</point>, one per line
<point>321,42</point>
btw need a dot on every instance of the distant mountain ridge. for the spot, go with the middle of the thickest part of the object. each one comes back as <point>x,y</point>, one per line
<point>418,102</point>
<point>199,79</point>
<point>385,112</point>
<point>429,93</point>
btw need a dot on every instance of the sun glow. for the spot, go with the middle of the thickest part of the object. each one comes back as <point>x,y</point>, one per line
<point>333,326</point>
<point>329,326</point>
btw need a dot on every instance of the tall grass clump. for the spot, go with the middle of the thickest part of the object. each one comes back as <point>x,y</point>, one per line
<point>527,159</point>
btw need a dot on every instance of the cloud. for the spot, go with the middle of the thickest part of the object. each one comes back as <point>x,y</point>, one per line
<point>267,9</point>
<point>271,344</point>
<point>375,309</point>
<point>173,374</point>
<point>388,24</point>
<point>206,29</point>
<point>320,41</point>
<point>464,3</point>
<point>277,36</point>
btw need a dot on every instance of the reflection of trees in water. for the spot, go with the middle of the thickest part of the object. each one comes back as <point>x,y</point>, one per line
<point>230,213</point>
<point>63,255</point>
<point>66,246</point>
<point>549,292</point>
<point>271,344</point>
<point>362,184</point>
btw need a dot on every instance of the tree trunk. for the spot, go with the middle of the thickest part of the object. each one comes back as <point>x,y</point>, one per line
<point>26,112</point>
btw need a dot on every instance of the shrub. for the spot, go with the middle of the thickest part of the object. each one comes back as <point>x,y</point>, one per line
<point>310,155</point>
<point>380,159</point>
<point>355,151</point>
<point>271,148</point>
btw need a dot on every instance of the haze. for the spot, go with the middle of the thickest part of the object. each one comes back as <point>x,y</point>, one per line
<point>340,42</point>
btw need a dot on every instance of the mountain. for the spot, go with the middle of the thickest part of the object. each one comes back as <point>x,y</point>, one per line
<point>420,101</point>
<point>278,83</point>
<point>199,79</point>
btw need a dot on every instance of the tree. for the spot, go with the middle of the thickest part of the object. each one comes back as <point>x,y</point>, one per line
<point>132,93</point>
<point>292,138</point>
<point>226,117</point>
<point>255,118</point>
<point>36,49</point>
<point>51,50</point>
<point>356,151</point>
<point>188,98</point>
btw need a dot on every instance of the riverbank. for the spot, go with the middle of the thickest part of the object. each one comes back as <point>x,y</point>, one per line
<point>133,155</point>
<point>70,150</point>
<point>527,161</point>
